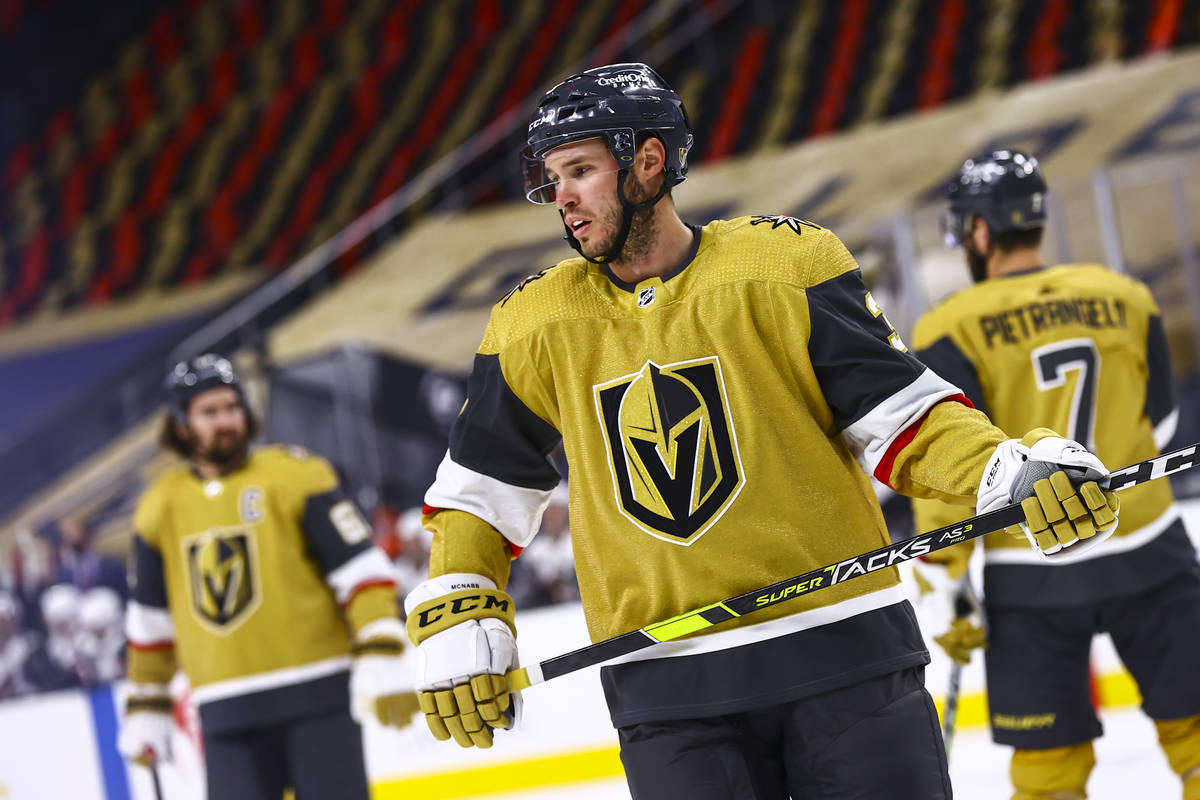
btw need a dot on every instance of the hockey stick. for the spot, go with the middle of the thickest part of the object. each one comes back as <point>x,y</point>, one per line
<point>966,603</point>
<point>824,577</point>
<point>153,766</point>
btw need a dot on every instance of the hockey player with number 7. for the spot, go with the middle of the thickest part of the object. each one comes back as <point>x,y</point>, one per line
<point>721,394</point>
<point>1082,349</point>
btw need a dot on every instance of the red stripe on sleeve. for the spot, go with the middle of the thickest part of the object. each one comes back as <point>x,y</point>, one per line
<point>147,647</point>
<point>367,585</point>
<point>883,472</point>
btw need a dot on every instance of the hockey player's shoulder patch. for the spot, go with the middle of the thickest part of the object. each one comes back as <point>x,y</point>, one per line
<point>151,506</point>
<point>297,452</point>
<point>556,292</point>
<point>777,247</point>
<point>776,221</point>
<point>526,282</point>
<point>283,453</point>
<point>292,465</point>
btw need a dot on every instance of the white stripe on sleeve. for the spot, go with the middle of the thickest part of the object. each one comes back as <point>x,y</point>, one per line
<point>146,625</point>
<point>870,437</point>
<point>1164,431</point>
<point>369,566</point>
<point>515,511</point>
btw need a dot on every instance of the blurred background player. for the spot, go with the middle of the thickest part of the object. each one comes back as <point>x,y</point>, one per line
<point>53,664</point>
<point>1081,349</point>
<point>250,565</point>
<point>100,637</point>
<point>15,648</point>
<point>696,380</point>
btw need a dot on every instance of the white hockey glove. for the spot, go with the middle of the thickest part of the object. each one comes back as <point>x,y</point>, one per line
<point>1058,483</point>
<point>381,681</point>
<point>145,736</point>
<point>464,631</point>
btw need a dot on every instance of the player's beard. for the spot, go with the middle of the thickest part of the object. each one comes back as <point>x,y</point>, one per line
<point>643,228</point>
<point>226,448</point>
<point>976,262</point>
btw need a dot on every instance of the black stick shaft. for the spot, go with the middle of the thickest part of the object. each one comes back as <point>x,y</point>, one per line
<point>158,795</point>
<point>966,604</point>
<point>950,709</point>
<point>824,577</point>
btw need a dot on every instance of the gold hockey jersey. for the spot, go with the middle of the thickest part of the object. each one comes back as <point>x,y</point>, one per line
<point>1079,349</point>
<point>719,424</point>
<point>248,582</point>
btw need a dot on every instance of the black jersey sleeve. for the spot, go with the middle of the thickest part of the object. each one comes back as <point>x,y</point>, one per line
<point>875,388</point>
<point>339,540</point>
<point>852,350</point>
<point>1162,403</point>
<point>497,435</point>
<point>498,466</point>
<point>148,623</point>
<point>148,585</point>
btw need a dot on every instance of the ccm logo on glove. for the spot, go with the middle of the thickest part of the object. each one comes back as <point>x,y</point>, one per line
<point>461,605</point>
<point>454,608</point>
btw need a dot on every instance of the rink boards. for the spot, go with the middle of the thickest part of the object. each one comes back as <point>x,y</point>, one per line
<point>565,741</point>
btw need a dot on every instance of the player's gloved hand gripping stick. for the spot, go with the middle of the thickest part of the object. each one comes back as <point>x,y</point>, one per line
<point>464,630</point>
<point>1008,516</point>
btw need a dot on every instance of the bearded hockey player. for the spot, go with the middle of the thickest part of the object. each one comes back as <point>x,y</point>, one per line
<point>1080,349</point>
<point>251,568</point>
<point>722,394</point>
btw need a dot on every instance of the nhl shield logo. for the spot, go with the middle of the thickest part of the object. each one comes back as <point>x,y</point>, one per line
<point>672,447</point>
<point>224,584</point>
<point>645,297</point>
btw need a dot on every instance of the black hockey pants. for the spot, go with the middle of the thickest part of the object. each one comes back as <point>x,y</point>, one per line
<point>318,756</point>
<point>876,740</point>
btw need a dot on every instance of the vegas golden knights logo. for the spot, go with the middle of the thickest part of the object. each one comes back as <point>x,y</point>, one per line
<point>672,447</point>
<point>222,565</point>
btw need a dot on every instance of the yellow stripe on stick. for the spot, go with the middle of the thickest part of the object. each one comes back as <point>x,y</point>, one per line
<point>692,621</point>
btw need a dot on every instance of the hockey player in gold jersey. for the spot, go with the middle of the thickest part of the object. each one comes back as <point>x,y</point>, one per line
<point>257,577</point>
<point>721,394</point>
<point>1081,349</point>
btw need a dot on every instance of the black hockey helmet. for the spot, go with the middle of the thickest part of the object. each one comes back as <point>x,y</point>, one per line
<point>1005,188</point>
<point>615,102</point>
<point>189,378</point>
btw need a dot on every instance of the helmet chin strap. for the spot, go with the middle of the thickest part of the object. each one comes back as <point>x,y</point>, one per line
<point>627,213</point>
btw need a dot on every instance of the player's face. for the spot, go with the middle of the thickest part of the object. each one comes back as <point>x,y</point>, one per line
<point>585,176</point>
<point>217,425</point>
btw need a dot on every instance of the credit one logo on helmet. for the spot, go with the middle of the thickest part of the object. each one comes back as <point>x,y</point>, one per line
<point>223,576</point>
<point>628,78</point>
<point>672,447</point>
